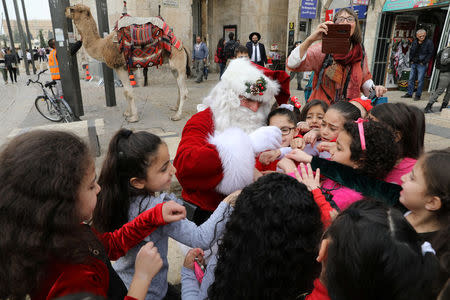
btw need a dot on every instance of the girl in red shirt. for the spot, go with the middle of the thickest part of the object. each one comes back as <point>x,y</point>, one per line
<point>48,191</point>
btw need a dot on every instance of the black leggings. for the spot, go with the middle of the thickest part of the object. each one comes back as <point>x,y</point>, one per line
<point>11,72</point>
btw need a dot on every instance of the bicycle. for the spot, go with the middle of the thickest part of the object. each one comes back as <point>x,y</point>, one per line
<point>49,106</point>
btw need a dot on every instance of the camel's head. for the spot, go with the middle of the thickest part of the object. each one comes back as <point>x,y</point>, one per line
<point>78,12</point>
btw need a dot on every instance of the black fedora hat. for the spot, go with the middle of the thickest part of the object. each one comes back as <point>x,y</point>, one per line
<point>254,33</point>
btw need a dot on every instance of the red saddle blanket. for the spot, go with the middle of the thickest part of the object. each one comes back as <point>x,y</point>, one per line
<point>143,45</point>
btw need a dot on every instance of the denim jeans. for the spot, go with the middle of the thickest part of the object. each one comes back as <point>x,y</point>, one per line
<point>222,69</point>
<point>417,70</point>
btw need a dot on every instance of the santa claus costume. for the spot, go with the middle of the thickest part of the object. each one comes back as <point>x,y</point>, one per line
<point>216,154</point>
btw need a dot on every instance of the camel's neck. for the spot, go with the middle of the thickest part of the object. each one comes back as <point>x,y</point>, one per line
<point>89,32</point>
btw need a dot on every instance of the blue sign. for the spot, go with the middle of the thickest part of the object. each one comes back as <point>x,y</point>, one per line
<point>360,10</point>
<point>308,9</point>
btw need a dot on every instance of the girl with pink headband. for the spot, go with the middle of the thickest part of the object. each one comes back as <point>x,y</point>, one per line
<point>367,146</point>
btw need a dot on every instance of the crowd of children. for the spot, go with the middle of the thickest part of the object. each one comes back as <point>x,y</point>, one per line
<point>350,207</point>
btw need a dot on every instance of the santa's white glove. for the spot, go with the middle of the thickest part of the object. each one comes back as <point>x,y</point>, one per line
<point>265,138</point>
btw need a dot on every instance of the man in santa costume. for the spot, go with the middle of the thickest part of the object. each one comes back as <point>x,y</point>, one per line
<point>216,154</point>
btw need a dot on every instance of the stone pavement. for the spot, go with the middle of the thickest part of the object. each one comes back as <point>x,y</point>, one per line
<point>17,111</point>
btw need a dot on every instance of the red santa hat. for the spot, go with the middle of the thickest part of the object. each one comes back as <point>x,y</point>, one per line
<point>254,82</point>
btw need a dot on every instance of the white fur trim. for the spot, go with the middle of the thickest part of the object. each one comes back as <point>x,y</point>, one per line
<point>240,71</point>
<point>237,157</point>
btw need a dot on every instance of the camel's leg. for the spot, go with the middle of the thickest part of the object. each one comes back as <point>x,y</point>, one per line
<point>177,64</point>
<point>131,111</point>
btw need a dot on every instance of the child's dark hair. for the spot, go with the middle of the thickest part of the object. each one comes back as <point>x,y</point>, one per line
<point>347,110</point>
<point>286,224</point>
<point>371,246</point>
<point>40,177</point>
<point>381,152</point>
<point>240,49</point>
<point>129,155</point>
<point>406,120</point>
<point>309,105</point>
<point>283,112</point>
<point>436,166</point>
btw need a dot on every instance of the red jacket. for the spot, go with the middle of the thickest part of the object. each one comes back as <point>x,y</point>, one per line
<point>65,278</point>
<point>199,168</point>
<point>319,292</point>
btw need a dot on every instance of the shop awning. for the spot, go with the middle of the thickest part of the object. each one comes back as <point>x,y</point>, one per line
<point>393,5</point>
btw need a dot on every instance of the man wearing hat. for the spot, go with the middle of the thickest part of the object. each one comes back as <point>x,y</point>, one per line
<point>256,50</point>
<point>216,154</point>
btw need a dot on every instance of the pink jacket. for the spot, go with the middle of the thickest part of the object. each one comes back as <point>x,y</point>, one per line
<point>313,62</point>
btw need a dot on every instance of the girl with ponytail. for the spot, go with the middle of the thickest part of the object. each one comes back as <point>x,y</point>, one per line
<point>136,168</point>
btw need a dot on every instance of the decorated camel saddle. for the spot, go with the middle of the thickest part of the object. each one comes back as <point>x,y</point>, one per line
<point>142,40</point>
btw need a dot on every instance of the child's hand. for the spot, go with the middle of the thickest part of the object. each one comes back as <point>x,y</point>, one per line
<point>190,258</point>
<point>173,212</point>
<point>326,146</point>
<point>231,198</point>
<point>148,263</point>
<point>287,165</point>
<point>307,178</point>
<point>298,143</point>
<point>299,155</point>
<point>312,136</point>
<point>303,127</point>
<point>269,156</point>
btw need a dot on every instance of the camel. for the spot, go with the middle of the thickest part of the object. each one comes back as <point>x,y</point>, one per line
<point>107,51</point>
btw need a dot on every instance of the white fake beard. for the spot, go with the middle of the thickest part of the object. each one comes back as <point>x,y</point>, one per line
<point>228,112</point>
<point>242,118</point>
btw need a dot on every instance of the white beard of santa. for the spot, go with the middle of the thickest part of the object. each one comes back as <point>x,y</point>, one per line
<point>228,112</point>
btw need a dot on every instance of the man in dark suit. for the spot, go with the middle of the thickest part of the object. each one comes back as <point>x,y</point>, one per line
<point>256,50</point>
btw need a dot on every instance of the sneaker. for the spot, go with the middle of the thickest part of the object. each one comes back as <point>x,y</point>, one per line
<point>417,98</point>
<point>427,109</point>
<point>444,105</point>
<point>406,96</point>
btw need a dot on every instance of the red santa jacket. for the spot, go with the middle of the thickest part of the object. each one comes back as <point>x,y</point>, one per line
<point>199,168</point>
<point>65,278</point>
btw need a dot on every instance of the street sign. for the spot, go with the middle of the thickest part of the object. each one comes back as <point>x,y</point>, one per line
<point>308,9</point>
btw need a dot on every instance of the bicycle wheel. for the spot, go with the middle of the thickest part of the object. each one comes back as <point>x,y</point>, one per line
<point>47,109</point>
<point>66,111</point>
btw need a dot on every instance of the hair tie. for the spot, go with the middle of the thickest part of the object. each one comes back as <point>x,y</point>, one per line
<point>362,138</point>
<point>125,133</point>
<point>287,106</point>
<point>426,247</point>
<point>296,102</point>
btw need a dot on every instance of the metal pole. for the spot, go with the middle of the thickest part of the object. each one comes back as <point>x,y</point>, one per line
<point>28,36</point>
<point>23,43</point>
<point>103,29</point>
<point>68,67</point>
<point>11,39</point>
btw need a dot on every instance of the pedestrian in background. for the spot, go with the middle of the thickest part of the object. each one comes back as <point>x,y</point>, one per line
<point>256,50</point>
<point>443,65</point>
<point>419,56</point>
<point>298,75</point>
<point>11,65</point>
<point>220,56</point>
<point>230,47</point>
<point>199,58</point>
<point>3,67</point>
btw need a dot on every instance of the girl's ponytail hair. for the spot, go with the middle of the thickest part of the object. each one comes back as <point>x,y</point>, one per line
<point>348,110</point>
<point>129,155</point>
<point>371,246</point>
<point>436,166</point>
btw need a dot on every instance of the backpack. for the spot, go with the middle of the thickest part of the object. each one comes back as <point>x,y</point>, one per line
<point>229,49</point>
<point>439,66</point>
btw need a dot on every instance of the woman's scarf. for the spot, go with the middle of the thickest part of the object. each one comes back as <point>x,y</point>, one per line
<point>342,63</point>
<point>353,56</point>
